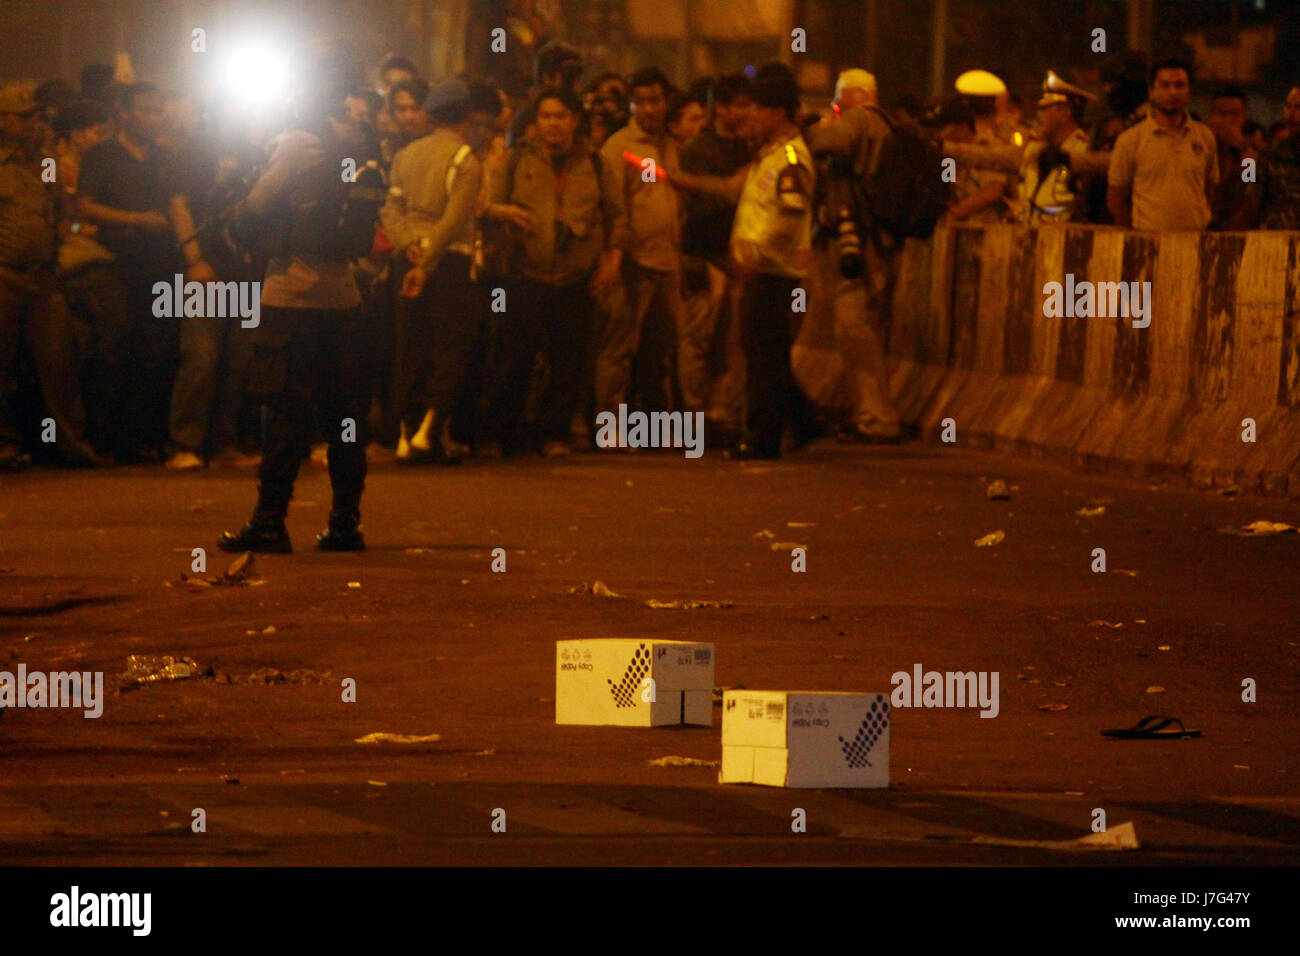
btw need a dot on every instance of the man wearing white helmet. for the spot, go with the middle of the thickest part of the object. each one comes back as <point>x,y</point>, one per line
<point>984,194</point>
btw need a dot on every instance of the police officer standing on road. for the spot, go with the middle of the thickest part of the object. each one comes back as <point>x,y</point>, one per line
<point>31,305</point>
<point>771,243</point>
<point>308,350</point>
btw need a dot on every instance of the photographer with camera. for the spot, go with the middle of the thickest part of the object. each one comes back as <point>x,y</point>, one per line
<point>857,256</point>
<point>309,348</point>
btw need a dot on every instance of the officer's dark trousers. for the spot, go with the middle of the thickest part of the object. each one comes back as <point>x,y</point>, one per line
<point>308,367</point>
<point>555,320</point>
<point>436,337</point>
<point>768,331</point>
<point>101,321</point>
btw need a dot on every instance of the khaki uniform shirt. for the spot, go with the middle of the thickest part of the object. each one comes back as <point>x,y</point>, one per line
<point>421,208</point>
<point>27,235</point>
<point>972,179</point>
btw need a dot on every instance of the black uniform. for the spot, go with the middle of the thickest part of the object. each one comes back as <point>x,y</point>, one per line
<point>308,366</point>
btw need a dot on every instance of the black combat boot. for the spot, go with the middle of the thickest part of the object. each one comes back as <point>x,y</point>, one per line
<point>343,534</point>
<point>264,534</point>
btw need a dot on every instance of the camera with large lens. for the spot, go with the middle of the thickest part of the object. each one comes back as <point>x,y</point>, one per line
<point>849,244</point>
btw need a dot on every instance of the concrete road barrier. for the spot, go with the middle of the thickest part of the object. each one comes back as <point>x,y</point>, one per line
<point>969,340</point>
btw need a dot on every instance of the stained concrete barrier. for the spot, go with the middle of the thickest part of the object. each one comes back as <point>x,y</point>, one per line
<point>968,340</point>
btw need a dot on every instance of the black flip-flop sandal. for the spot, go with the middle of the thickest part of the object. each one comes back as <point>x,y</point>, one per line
<point>1154,727</point>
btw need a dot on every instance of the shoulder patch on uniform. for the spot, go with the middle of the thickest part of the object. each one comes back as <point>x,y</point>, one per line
<point>792,190</point>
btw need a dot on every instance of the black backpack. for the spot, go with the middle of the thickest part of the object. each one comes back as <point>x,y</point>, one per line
<point>336,218</point>
<point>906,194</point>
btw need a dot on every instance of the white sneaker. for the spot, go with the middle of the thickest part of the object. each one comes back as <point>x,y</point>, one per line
<point>184,461</point>
<point>403,446</point>
<point>420,440</point>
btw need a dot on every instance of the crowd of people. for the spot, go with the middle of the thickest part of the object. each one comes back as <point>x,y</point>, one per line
<point>526,264</point>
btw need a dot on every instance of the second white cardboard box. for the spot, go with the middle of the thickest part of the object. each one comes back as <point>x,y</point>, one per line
<point>805,739</point>
<point>628,682</point>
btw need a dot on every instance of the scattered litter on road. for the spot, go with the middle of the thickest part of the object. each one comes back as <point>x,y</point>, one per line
<point>1165,647</point>
<point>1154,727</point>
<point>1110,624</point>
<point>596,588</point>
<point>997,490</point>
<point>989,540</point>
<point>682,762</point>
<point>241,572</point>
<point>686,605</point>
<point>377,783</point>
<point>1156,689</point>
<point>1054,707</point>
<point>787,545</point>
<point>354,584</point>
<point>417,551</point>
<point>489,752</point>
<point>151,668</point>
<point>1229,492</point>
<point>1260,528</point>
<point>1091,512</point>
<point>273,675</point>
<point>1122,836</point>
<point>382,737</point>
<point>240,569</point>
<point>764,534</point>
<point>801,524</point>
<point>1130,573</point>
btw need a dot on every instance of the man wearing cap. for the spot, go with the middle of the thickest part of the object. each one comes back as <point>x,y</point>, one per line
<point>1164,170</point>
<point>429,216</point>
<point>858,130</point>
<point>1048,179</point>
<point>31,306</point>
<point>771,243</point>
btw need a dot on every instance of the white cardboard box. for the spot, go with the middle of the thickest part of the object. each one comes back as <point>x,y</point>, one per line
<point>609,682</point>
<point>803,739</point>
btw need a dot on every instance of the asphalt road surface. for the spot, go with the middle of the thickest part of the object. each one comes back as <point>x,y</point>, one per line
<point>437,643</point>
